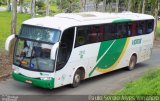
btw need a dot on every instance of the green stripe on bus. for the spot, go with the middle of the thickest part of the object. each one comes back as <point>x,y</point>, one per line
<point>109,58</point>
<point>35,82</point>
<point>112,55</point>
<point>122,20</point>
<point>103,49</point>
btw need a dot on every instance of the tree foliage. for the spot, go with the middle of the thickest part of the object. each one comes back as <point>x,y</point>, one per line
<point>69,6</point>
<point>40,5</point>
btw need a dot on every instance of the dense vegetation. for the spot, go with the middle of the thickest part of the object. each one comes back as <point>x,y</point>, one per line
<point>5,24</point>
<point>146,85</point>
<point>56,6</point>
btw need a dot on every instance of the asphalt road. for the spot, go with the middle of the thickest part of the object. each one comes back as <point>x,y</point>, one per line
<point>105,84</point>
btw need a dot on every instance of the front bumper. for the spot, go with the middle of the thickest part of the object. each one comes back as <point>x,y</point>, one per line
<point>35,82</point>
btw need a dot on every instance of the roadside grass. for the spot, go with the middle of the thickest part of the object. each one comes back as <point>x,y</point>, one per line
<point>3,6</point>
<point>158,30</point>
<point>149,84</point>
<point>5,24</point>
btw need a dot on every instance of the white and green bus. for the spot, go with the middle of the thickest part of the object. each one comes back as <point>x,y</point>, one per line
<point>50,52</point>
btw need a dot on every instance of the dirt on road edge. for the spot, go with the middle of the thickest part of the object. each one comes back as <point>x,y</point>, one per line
<point>5,65</point>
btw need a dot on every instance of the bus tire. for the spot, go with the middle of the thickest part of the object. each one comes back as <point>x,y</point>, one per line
<point>132,62</point>
<point>76,79</point>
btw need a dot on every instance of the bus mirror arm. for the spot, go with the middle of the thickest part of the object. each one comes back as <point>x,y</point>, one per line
<point>16,36</point>
<point>10,42</point>
<point>53,50</point>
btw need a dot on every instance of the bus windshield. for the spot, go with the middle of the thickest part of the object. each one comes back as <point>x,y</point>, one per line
<point>42,34</point>
<point>33,48</point>
<point>33,55</point>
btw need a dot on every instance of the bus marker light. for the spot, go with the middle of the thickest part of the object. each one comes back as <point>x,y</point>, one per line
<point>24,62</point>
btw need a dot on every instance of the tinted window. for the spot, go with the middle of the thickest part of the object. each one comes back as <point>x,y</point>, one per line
<point>65,48</point>
<point>89,34</point>
<point>129,29</point>
<point>110,31</point>
<point>104,32</point>
<point>93,34</point>
<point>40,34</point>
<point>82,36</point>
<point>145,27</point>
<point>122,30</point>
<point>96,34</point>
<point>150,26</point>
<point>140,28</point>
<point>133,28</point>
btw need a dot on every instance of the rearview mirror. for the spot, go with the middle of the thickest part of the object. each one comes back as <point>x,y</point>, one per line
<point>53,51</point>
<point>10,43</point>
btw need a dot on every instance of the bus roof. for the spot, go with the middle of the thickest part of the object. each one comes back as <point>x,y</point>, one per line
<point>65,20</point>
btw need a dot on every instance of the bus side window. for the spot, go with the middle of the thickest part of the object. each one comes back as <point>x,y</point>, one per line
<point>125,26</point>
<point>133,29</point>
<point>110,31</point>
<point>107,36</point>
<point>144,27</point>
<point>96,34</point>
<point>122,30</point>
<point>65,47</point>
<point>101,33</point>
<point>93,35</point>
<point>113,31</point>
<point>129,29</point>
<point>150,26</point>
<point>139,28</point>
<point>81,37</point>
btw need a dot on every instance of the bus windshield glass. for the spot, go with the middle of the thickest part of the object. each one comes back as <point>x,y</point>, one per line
<point>42,34</point>
<point>33,55</point>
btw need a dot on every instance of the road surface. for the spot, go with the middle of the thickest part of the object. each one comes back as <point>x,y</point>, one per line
<point>105,84</point>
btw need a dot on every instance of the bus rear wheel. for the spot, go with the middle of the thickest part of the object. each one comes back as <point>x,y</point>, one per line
<point>76,79</point>
<point>132,62</point>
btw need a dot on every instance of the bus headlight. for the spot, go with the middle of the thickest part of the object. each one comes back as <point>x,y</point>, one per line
<point>46,78</point>
<point>16,70</point>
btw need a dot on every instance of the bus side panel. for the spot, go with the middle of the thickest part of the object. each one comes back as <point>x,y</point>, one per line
<point>82,56</point>
<point>146,47</point>
<point>139,45</point>
<point>110,54</point>
<point>97,60</point>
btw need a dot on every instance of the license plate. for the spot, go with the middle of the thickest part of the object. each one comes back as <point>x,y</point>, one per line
<point>28,81</point>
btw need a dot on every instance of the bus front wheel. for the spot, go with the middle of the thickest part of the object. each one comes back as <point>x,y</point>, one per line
<point>76,79</point>
<point>132,62</point>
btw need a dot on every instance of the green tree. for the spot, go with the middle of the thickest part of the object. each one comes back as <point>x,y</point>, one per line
<point>156,12</point>
<point>117,6</point>
<point>14,17</point>
<point>21,2</point>
<point>33,5</point>
<point>47,7</point>
<point>3,2</point>
<point>69,6</point>
<point>8,5</point>
<point>96,4</point>
<point>143,6</point>
<point>83,3</point>
<point>104,5</point>
<point>110,2</point>
<point>129,5</point>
